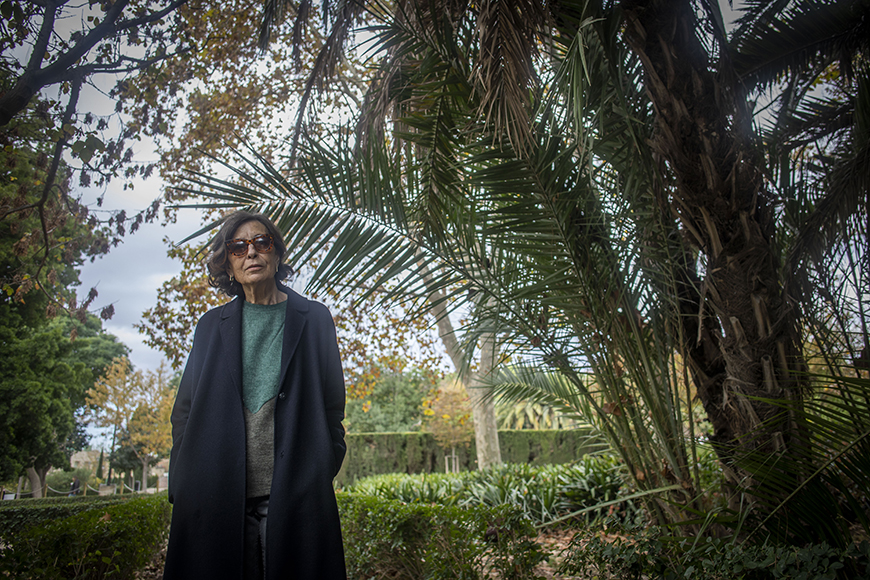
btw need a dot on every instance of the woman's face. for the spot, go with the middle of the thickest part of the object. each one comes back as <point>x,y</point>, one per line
<point>252,269</point>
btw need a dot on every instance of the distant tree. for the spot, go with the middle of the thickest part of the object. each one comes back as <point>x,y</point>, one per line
<point>124,462</point>
<point>100,465</point>
<point>449,419</point>
<point>112,401</point>
<point>136,405</point>
<point>149,429</point>
<point>44,376</point>
<point>36,412</point>
<point>394,404</point>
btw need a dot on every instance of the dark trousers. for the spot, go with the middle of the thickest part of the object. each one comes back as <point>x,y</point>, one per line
<point>256,510</point>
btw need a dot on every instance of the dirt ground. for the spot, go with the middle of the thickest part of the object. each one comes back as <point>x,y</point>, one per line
<point>554,543</point>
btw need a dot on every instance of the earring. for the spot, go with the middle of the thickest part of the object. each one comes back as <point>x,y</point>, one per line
<point>232,279</point>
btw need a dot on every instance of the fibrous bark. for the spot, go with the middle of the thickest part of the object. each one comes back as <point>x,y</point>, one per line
<point>740,328</point>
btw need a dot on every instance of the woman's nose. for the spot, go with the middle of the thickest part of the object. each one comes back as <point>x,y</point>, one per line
<point>251,250</point>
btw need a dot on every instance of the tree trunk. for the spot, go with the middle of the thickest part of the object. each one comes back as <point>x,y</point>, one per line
<point>482,404</point>
<point>112,454</point>
<point>37,481</point>
<point>144,475</point>
<point>483,407</point>
<point>741,331</point>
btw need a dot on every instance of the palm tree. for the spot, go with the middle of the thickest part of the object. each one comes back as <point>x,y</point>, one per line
<point>592,181</point>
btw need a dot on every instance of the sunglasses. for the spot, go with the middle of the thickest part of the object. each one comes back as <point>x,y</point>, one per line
<point>239,247</point>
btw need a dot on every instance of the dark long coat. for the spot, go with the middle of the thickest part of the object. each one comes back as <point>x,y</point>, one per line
<point>207,463</point>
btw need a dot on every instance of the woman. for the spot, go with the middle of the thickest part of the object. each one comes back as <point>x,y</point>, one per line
<point>256,427</point>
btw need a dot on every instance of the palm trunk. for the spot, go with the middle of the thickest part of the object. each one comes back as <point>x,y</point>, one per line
<point>741,331</point>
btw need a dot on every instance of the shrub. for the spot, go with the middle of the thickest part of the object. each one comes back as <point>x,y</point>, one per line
<point>543,494</point>
<point>646,555</point>
<point>112,539</point>
<point>391,539</point>
<point>17,515</point>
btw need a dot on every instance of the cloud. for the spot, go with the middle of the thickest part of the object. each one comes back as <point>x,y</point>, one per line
<point>129,276</point>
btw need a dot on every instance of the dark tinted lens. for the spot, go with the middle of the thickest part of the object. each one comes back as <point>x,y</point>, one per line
<point>237,247</point>
<point>262,243</point>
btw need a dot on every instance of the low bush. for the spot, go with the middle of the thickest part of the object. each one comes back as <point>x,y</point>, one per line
<point>20,514</point>
<point>110,539</point>
<point>639,555</point>
<point>543,494</point>
<point>391,539</point>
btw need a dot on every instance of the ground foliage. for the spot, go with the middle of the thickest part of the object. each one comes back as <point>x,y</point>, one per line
<point>18,515</point>
<point>575,493</point>
<point>641,553</point>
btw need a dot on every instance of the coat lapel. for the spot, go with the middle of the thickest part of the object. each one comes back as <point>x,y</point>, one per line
<point>231,334</point>
<point>294,323</point>
<point>231,338</point>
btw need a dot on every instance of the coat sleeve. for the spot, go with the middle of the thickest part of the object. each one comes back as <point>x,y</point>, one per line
<point>333,390</point>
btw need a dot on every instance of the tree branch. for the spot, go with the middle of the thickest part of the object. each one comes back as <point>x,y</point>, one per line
<point>127,24</point>
<point>41,44</point>
<point>34,78</point>
<point>51,176</point>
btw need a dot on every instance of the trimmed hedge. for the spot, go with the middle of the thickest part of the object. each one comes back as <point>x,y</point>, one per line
<point>20,514</point>
<point>377,453</point>
<point>390,539</point>
<point>111,539</point>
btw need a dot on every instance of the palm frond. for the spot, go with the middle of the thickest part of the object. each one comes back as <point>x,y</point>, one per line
<point>775,37</point>
<point>825,474</point>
